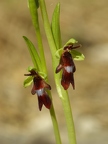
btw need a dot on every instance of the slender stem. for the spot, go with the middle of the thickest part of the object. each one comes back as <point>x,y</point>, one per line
<point>69,119</point>
<point>67,109</point>
<point>40,45</point>
<point>55,126</point>
<point>62,93</point>
<point>34,15</point>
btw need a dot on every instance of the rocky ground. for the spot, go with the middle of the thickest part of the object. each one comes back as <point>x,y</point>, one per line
<point>20,120</point>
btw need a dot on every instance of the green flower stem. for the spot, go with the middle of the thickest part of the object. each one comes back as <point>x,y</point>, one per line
<point>69,118</point>
<point>67,109</point>
<point>55,126</point>
<point>34,14</point>
<point>62,93</point>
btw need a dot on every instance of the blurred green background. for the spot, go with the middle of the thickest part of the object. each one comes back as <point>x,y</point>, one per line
<point>20,120</point>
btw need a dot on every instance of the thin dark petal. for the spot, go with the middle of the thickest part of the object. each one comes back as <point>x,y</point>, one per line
<point>44,99</point>
<point>32,73</point>
<point>68,47</point>
<point>74,69</point>
<point>45,85</point>
<point>71,46</point>
<point>59,67</point>
<point>33,91</point>
<point>76,46</point>
<point>28,74</point>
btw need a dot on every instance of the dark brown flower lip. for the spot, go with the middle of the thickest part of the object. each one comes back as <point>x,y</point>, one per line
<point>66,64</point>
<point>44,100</point>
<point>67,79</point>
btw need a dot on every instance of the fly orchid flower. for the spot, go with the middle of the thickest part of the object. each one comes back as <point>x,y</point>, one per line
<point>39,88</point>
<point>67,65</point>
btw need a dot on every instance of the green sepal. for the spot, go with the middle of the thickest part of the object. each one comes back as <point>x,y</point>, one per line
<point>33,52</point>
<point>28,81</point>
<point>77,55</point>
<point>71,41</point>
<point>43,75</point>
<point>31,68</point>
<point>55,26</point>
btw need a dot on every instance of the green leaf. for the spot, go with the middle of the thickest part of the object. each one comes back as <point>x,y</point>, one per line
<point>55,26</point>
<point>28,81</point>
<point>33,5</point>
<point>43,75</point>
<point>77,55</point>
<point>33,52</point>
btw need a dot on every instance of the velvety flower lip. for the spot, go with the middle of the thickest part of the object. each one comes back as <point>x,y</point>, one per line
<point>39,88</point>
<point>66,64</point>
<point>44,99</point>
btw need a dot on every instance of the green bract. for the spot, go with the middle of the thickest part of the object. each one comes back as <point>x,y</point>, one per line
<point>77,55</point>
<point>33,5</point>
<point>55,26</point>
<point>34,54</point>
<point>31,68</point>
<point>71,41</point>
<point>28,81</point>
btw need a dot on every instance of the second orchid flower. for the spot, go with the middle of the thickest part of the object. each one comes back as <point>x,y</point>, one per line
<point>66,64</point>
